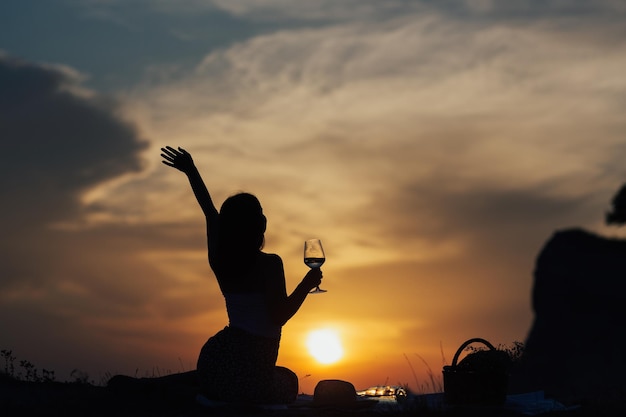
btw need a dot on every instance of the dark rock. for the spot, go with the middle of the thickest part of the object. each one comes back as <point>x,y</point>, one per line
<point>576,348</point>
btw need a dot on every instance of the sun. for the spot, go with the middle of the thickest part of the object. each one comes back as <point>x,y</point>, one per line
<point>325,346</point>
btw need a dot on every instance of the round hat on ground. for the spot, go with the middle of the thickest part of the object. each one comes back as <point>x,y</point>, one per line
<point>334,392</point>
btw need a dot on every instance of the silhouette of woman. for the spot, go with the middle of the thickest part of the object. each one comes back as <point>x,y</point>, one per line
<point>238,364</point>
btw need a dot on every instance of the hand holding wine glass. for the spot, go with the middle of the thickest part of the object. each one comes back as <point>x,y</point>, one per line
<point>314,257</point>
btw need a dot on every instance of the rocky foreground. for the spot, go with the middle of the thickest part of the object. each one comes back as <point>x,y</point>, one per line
<point>22,398</point>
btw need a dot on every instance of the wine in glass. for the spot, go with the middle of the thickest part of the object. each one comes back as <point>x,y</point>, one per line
<point>314,257</point>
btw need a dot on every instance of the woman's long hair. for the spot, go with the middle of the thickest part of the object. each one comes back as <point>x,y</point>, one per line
<point>241,233</point>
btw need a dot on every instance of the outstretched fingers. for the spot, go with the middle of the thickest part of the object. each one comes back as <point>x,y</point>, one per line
<point>169,155</point>
<point>176,158</point>
<point>169,151</point>
<point>173,153</point>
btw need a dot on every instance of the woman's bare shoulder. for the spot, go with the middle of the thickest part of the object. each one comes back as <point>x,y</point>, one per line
<point>271,259</point>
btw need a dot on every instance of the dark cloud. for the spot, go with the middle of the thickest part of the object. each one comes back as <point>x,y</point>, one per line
<point>131,36</point>
<point>57,143</point>
<point>530,8</point>
<point>485,211</point>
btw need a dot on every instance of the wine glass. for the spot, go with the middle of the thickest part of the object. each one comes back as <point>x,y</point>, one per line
<point>314,257</point>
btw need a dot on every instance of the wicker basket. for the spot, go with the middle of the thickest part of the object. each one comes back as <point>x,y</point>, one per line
<point>484,383</point>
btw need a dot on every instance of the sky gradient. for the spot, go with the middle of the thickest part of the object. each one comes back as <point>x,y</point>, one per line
<point>432,146</point>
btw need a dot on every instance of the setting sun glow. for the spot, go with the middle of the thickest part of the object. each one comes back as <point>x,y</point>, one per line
<point>324,345</point>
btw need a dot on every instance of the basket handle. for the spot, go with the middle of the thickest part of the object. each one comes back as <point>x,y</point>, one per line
<point>466,344</point>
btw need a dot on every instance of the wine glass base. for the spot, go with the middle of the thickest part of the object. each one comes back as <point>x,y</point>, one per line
<point>317,291</point>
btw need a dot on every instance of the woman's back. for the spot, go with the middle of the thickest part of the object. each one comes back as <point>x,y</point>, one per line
<point>250,277</point>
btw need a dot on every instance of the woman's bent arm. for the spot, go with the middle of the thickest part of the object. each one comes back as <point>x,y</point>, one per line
<point>283,307</point>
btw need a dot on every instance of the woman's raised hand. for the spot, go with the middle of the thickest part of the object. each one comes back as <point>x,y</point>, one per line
<point>177,158</point>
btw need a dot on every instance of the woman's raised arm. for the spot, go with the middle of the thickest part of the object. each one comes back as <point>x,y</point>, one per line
<point>182,161</point>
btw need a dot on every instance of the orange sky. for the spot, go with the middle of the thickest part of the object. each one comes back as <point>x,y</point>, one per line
<point>432,155</point>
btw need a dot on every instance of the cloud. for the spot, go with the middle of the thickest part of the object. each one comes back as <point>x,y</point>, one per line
<point>287,14</point>
<point>317,10</point>
<point>61,140</point>
<point>352,10</point>
<point>359,115</point>
<point>276,11</point>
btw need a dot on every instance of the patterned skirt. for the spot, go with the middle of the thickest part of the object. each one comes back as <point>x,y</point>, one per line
<point>236,366</point>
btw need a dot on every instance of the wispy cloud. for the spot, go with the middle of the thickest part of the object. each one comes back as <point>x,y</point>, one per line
<point>417,102</point>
